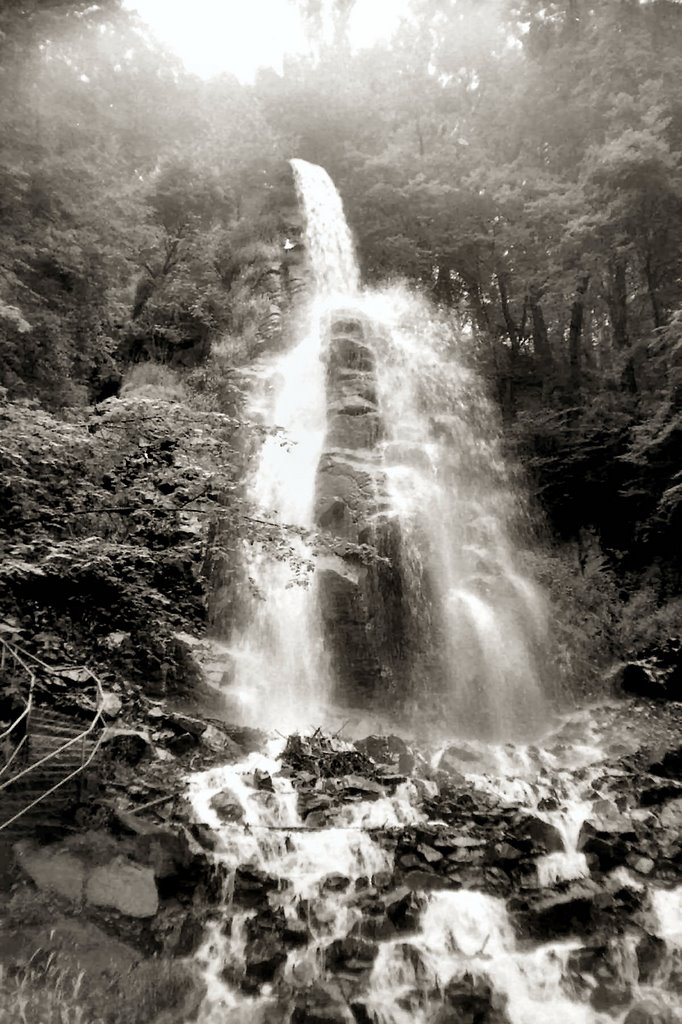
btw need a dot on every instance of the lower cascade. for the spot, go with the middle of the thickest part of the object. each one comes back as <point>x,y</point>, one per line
<point>372,881</point>
<point>484,859</point>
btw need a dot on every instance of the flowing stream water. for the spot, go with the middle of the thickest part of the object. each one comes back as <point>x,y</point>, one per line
<point>459,933</point>
<point>460,516</point>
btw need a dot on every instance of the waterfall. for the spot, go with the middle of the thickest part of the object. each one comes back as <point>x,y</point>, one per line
<point>385,441</point>
<point>370,881</point>
<point>328,238</point>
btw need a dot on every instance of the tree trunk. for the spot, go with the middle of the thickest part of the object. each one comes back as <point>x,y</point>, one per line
<point>478,307</point>
<point>575,331</point>
<point>617,299</point>
<point>149,282</point>
<point>541,345</point>
<point>509,401</point>
<point>512,329</point>
<point>653,293</point>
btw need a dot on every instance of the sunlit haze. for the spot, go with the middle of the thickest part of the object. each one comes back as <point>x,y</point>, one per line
<point>213,36</point>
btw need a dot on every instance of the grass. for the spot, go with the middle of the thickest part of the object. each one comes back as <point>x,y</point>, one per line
<point>46,991</point>
<point>43,992</point>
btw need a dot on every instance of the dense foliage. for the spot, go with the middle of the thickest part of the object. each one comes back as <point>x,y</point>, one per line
<point>521,161</point>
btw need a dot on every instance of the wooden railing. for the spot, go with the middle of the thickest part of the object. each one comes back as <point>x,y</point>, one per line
<point>8,656</point>
<point>95,730</point>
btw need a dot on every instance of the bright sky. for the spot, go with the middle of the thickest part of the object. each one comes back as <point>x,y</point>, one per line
<point>211,36</point>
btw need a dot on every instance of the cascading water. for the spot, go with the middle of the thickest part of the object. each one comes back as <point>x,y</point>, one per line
<point>328,238</point>
<point>467,624</point>
<point>278,663</point>
<point>454,498</point>
<point>326,915</point>
<point>315,930</point>
<point>280,677</point>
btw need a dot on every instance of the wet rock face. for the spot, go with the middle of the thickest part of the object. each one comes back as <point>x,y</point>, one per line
<point>648,1011</point>
<point>583,908</point>
<point>348,499</point>
<point>599,972</point>
<point>471,1000</point>
<point>365,612</point>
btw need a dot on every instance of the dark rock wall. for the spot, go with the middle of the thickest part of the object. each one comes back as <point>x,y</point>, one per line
<point>366,608</point>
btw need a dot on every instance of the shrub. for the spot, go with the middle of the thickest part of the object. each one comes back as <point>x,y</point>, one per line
<point>585,611</point>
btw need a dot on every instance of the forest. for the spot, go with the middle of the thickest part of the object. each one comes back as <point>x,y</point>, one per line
<point>516,167</point>
<point>518,162</point>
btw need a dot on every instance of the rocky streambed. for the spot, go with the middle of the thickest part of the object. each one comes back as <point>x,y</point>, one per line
<point>319,880</point>
<point>386,881</point>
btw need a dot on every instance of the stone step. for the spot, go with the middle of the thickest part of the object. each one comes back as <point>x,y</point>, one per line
<point>48,741</point>
<point>22,797</point>
<point>51,773</point>
<point>37,820</point>
<point>43,728</point>
<point>44,776</point>
<point>47,808</point>
<point>43,745</point>
<point>55,766</point>
<point>43,721</point>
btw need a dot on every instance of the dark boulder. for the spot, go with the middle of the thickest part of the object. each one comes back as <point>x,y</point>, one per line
<point>648,1011</point>
<point>471,1000</point>
<point>334,882</point>
<point>544,837</point>
<point>295,932</point>
<point>611,996</point>
<point>182,744</point>
<point>561,914</point>
<point>657,675</point>
<point>184,724</point>
<point>252,886</point>
<point>657,794</point>
<point>128,746</point>
<point>263,955</point>
<point>227,807</point>
<point>404,908</point>
<point>384,749</point>
<point>368,789</point>
<point>361,1014</point>
<point>322,1003</point>
<point>597,971</point>
<point>427,881</point>
<point>651,955</point>
<point>350,955</point>
<point>608,850</point>
<point>669,766</point>
<point>581,908</point>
